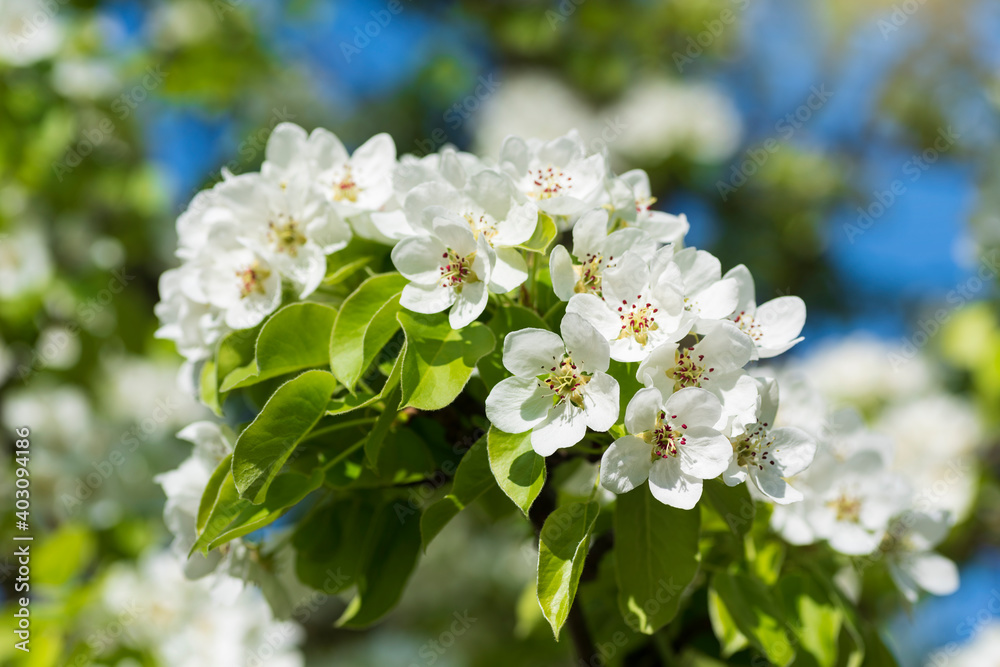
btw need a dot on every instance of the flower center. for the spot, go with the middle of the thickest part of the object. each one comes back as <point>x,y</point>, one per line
<point>847,508</point>
<point>346,189</point>
<point>637,320</point>
<point>567,382</point>
<point>748,325</point>
<point>481,225</point>
<point>642,204</point>
<point>285,235</point>
<point>456,270</point>
<point>251,279</point>
<point>549,182</point>
<point>665,437</point>
<point>753,448</point>
<point>588,275</point>
<point>689,369</point>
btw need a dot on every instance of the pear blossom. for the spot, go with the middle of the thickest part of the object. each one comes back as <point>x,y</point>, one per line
<point>488,205</point>
<point>768,455</point>
<point>774,327</point>
<point>913,565</point>
<point>674,443</point>
<point>193,325</point>
<point>698,277</point>
<point>450,267</point>
<point>560,386</point>
<point>634,312</point>
<point>714,363</point>
<point>292,227</point>
<point>596,251</point>
<point>354,183</point>
<point>630,198</point>
<point>558,175</point>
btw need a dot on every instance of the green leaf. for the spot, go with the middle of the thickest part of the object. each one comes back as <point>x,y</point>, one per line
<point>208,385</point>
<point>270,439</point>
<point>756,614</point>
<point>731,640</point>
<point>562,549</point>
<point>508,318</point>
<point>439,360</point>
<point>628,385</point>
<point>329,543</point>
<point>295,338</point>
<point>656,554</point>
<point>391,551</point>
<point>518,469</point>
<point>373,444</point>
<point>473,478</point>
<point>352,402</point>
<point>365,323</point>
<point>210,495</point>
<point>733,504</point>
<point>813,618</point>
<point>358,254</point>
<point>62,555</point>
<point>230,516</point>
<point>545,233</point>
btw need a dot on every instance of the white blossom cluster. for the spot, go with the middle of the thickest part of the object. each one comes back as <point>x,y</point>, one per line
<point>889,492</point>
<point>638,303</point>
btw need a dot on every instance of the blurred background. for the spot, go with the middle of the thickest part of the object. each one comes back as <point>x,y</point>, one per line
<point>847,152</point>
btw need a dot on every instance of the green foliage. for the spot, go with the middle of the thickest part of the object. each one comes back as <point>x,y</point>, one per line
<point>562,549</point>
<point>660,560</point>
<point>264,447</point>
<point>439,360</point>
<point>519,471</point>
<point>473,478</point>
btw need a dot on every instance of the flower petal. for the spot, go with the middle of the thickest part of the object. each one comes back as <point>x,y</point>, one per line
<point>509,270</point>
<point>625,465</point>
<point>532,352</point>
<point>781,321</point>
<point>564,426</point>
<point>706,453</point>
<point>694,407</point>
<point>671,486</point>
<point>426,299</point>
<point>517,404</point>
<point>595,311</point>
<point>562,273</point>
<point>601,402</point>
<point>588,348</point>
<point>641,411</point>
<point>469,304</point>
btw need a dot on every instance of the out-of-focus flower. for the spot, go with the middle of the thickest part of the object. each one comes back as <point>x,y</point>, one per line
<point>660,117</point>
<point>30,30</point>
<point>85,78</point>
<point>25,264</point>
<point>183,625</point>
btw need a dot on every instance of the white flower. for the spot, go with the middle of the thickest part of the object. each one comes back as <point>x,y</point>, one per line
<point>193,326</point>
<point>596,251</point>
<point>635,312</point>
<point>768,455</point>
<point>30,30</point>
<point>292,226</point>
<point>25,262</point>
<point>242,285</point>
<point>488,205</point>
<point>354,183</point>
<point>850,504</point>
<point>448,268</point>
<point>558,175</point>
<point>714,363</point>
<point>559,388</point>
<point>774,326</point>
<point>697,275</point>
<point>673,443</point>
<point>631,200</point>
<point>980,652</point>
<point>913,565</point>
